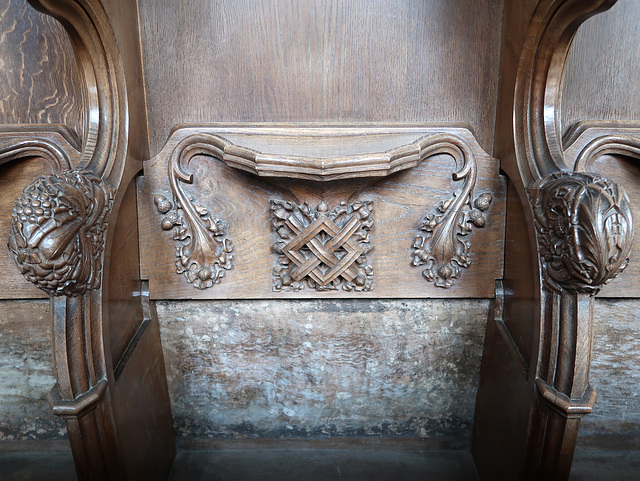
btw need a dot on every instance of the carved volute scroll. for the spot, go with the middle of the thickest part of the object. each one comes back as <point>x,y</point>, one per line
<point>612,143</point>
<point>22,148</point>
<point>585,230</point>
<point>441,249</point>
<point>58,232</point>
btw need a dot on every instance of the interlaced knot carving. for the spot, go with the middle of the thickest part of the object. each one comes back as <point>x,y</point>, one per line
<point>325,249</point>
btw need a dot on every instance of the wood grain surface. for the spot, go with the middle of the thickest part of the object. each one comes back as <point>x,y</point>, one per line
<point>315,61</point>
<point>40,81</point>
<point>603,68</point>
<point>400,201</point>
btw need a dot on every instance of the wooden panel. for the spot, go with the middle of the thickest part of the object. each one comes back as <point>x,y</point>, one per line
<point>40,81</point>
<point>125,310</point>
<point>400,203</point>
<point>142,410</point>
<point>124,21</point>
<point>313,60</point>
<point>603,68</point>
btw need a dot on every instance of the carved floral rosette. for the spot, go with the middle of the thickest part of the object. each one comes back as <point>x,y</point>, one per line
<point>585,230</point>
<point>58,232</point>
<point>325,250</point>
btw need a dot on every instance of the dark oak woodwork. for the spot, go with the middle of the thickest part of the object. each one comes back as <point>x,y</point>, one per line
<point>576,236</point>
<point>40,81</point>
<point>73,234</point>
<point>321,61</point>
<point>313,150</point>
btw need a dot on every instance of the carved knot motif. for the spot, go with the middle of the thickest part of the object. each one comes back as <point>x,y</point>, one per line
<point>585,230</point>
<point>202,249</point>
<point>324,249</point>
<point>442,250</point>
<point>58,230</point>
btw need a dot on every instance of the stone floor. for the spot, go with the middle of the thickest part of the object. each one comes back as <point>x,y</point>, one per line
<point>288,461</point>
<point>317,464</point>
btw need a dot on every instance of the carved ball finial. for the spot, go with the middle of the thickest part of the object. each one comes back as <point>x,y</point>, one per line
<point>58,229</point>
<point>585,230</point>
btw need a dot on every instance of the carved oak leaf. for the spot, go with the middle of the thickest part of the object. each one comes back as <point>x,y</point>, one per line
<point>58,229</point>
<point>585,230</point>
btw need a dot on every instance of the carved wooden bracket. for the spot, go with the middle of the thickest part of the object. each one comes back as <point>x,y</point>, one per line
<point>324,249</point>
<point>321,154</point>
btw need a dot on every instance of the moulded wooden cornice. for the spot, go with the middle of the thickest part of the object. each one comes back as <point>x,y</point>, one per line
<point>322,152</point>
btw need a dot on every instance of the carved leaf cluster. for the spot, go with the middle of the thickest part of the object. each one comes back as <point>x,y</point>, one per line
<point>585,230</point>
<point>203,252</point>
<point>292,222</point>
<point>443,250</point>
<point>58,231</point>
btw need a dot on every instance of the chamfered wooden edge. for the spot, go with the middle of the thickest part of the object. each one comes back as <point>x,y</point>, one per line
<point>548,296</point>
<point>66,252</point>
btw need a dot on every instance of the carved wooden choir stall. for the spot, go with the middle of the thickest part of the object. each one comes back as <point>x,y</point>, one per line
<point>389,176</point>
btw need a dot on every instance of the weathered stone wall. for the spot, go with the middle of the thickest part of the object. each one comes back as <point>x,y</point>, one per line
<point>615,374</point>
<point>26,372</point>
<point>313,368</point>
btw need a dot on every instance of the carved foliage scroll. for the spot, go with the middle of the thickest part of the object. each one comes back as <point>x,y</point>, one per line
<point>442,248</point>
<point>325,250</point>
<point>585,230</point>
<point>202,249</point>
<point>58,232</point>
